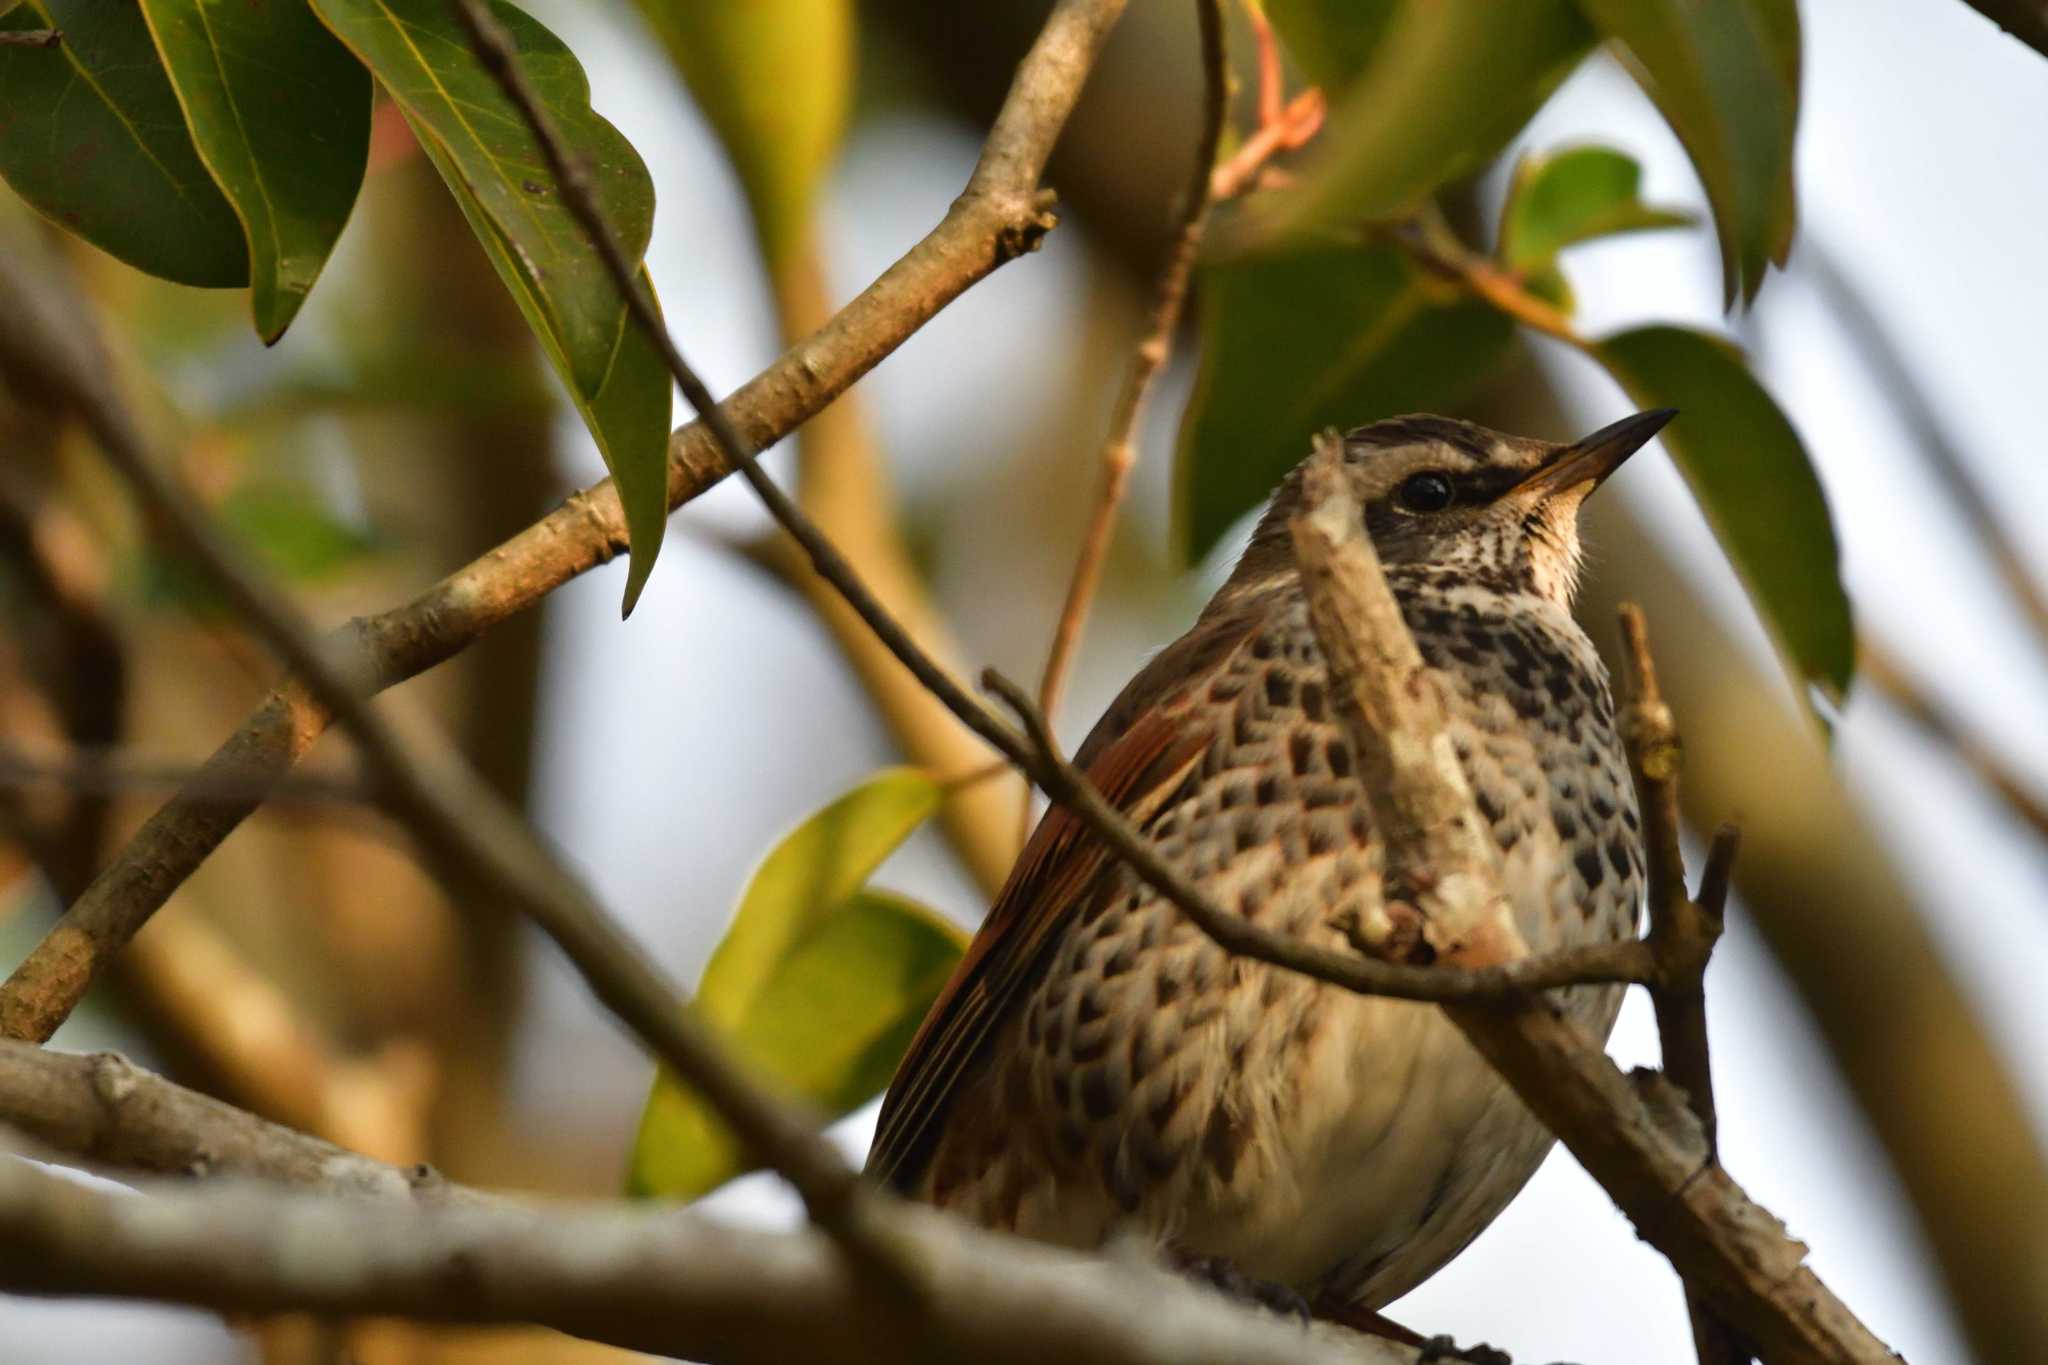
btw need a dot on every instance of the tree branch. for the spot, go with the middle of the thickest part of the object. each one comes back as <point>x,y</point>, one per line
<point>1633,1135</point>
<point>105,1108</point>
<point>1682,931</point>
<point>392,1240</point>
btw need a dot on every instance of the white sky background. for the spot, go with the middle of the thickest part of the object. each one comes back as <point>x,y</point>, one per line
<point>677,746</point>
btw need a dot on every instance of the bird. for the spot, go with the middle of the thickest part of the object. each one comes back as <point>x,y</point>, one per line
<point>1097,1069</point>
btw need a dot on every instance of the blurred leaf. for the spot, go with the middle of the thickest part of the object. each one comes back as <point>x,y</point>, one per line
<point>1331,40</point>
<point>285,526</point>
<point>1449,83</point>
<point>817,982</point>
<point>1293,344</point>
<point>480,143</point>
<point>1756,485</point>
<point>1566,197</point>
<point>774,77</point>
<point>91,134</point>
<point>280,113</point>
<point>1726,77</point>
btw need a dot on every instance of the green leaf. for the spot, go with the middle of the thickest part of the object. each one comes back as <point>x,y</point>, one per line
<point>1563,198</point>
<point>1331,40</point>
<point>775,78</point>
<point>818,865</point>
<point>818,982</point>
<point>91,134</point>
<point>280,113</point>
<point>480,143</point>
<point>830,1027</point>
<point>1754,482</point>
<point>1447,85</point>
<point>1293,344</point>
<point>1726,77</point>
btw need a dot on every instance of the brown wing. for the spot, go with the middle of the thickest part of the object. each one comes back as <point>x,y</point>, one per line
<point>1140,753</point>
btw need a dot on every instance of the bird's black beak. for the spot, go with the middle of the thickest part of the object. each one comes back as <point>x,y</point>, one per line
<point>1593,459</point>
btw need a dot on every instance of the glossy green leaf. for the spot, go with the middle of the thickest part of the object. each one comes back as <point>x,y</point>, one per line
<point>1447,85</point>
<point>775,78</point>
<point>1331,40</point>
<point>818,982</point>
<point>1726,77</point>
<point>481,145</point>
<point>1292,344</point>
<point>280,114</point>
<point>91,134</point>
<point>1562,198</point>
<point>1751,475</point>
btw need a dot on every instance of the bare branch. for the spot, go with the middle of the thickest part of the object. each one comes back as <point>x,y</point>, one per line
<point>103,1107</point>
<point>1169,295</point>
<point>1635,1137</point>
<point>643,1278</point>
<point>1440,858</point>
<point>1682,932</point>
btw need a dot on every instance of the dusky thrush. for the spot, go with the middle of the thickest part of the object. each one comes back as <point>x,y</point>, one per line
<point>1097,1067</point>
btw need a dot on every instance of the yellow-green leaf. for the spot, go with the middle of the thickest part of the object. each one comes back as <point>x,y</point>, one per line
<point>1447,85</point>
<point>91,134</point>
<point>818,982</point>
<point>1755,483</point>
<point>1295,343</point>
<point>483,148</point>
<point>816,867</point>
<point>1726,77</point>
<point>1559,199</point>
<point>774,77</point>
<point>829,1026</point>
<point>280,113</point>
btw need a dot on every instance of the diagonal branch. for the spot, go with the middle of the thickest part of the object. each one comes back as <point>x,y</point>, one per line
<point>1634,1135</point>
<point>1001,214</point>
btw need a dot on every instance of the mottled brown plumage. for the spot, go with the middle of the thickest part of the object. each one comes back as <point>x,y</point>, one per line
<point>1098,1067</point>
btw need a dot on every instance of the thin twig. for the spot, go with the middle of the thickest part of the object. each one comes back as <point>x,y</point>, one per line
<point>48,347</point>
<point>1880,668</point>
<point>1155,346</point>
<point>1682,931</point>
<point>1282,127</point>
<point>31,37</point>
<point>1900,383</point>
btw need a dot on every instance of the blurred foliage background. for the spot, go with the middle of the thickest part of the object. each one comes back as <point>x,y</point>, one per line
<point>335,281</point>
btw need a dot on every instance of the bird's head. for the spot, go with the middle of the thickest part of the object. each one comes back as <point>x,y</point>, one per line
<point>1503,510</point>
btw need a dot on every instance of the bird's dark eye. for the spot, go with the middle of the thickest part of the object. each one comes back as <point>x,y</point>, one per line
<point>1425,492</point>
